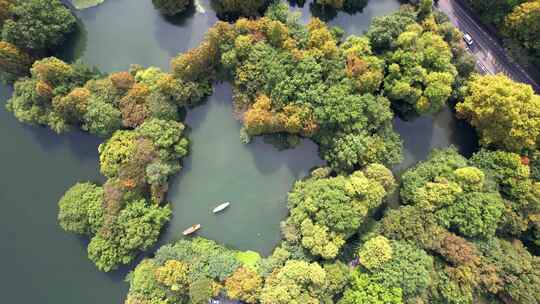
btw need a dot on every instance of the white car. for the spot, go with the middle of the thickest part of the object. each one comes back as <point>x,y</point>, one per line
<point>468,39</point>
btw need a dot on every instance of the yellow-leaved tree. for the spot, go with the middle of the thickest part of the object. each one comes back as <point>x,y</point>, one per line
<point>506,114</point>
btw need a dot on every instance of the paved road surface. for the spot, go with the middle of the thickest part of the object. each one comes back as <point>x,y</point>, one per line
<point>486,48</point>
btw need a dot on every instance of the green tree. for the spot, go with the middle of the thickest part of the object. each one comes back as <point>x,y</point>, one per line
<point>474,214</point>
<point>421,73</point>
<point>38,24</point>
<point>512,176</point>
<point>101,118</point>
<point>296,282</point>
<point>364,291</point>
<point>506,114</point>
<point>384,31</point>
<point>327,211</point>
<point>508,170</point>
<point>375,252</point>
<point>411,224</point>
<point>160,107</point>
<point>458,195</point>
<point>81,209</point>
<point>523,25</point>
<point>338,276</point>
<point>136,228</point>
<point>31,103</point>
<point>440,163</point>
<point>249,259</point>
<point>409,270</point>
<point>205,258</point>
<point>448,290</point>
<point>143,286</point>
<point>345,141</point>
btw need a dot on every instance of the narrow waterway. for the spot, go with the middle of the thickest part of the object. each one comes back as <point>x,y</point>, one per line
<point>42,264</point>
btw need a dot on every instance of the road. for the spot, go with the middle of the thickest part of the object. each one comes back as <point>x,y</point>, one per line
<point>487,49</point>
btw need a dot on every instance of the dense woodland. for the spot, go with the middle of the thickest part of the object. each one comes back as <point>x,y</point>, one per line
<point>465,230</point>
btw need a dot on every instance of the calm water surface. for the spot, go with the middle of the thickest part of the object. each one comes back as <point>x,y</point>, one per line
<point>255,178</point>
<point>42,264</point>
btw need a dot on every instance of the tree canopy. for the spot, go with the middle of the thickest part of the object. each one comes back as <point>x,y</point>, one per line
<point>325,212</point>
<point>196,270</point>
<point>523,24</point>
<point>37,25</point>
<point>456,208</point>
<point>300,81</point>
<point>506,114</point>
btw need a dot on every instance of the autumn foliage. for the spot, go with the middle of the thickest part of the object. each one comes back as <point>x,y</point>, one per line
<point>13,60</point>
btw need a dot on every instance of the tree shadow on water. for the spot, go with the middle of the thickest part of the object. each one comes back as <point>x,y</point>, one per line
<point>265,156</point>
<point>417,137</point>
<point>298,160</point>
<point>423,134</point>
<point>297,3</point>
<point>173,33</point>
<point>325,13</point>
<point>75,44</point>
<point>181,18</point>
<point>463,135</point>
<point>83,145</point>
<point>196,116</point>
<point>352,7</point>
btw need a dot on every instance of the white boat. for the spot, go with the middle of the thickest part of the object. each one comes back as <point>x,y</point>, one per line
<point>221,207</point>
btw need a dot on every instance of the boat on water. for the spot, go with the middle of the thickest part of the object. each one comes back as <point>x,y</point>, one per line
<point>221,207</point>
<point>192,229</point>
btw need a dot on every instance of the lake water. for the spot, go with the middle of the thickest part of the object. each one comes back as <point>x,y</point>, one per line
<point>42,264</point>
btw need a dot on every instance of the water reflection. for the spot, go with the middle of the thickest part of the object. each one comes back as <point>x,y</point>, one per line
<point>75,44</point>
<point>423,134</point>
<point>119,33</point>
<point>352,23</point>
<point>327,13</point>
